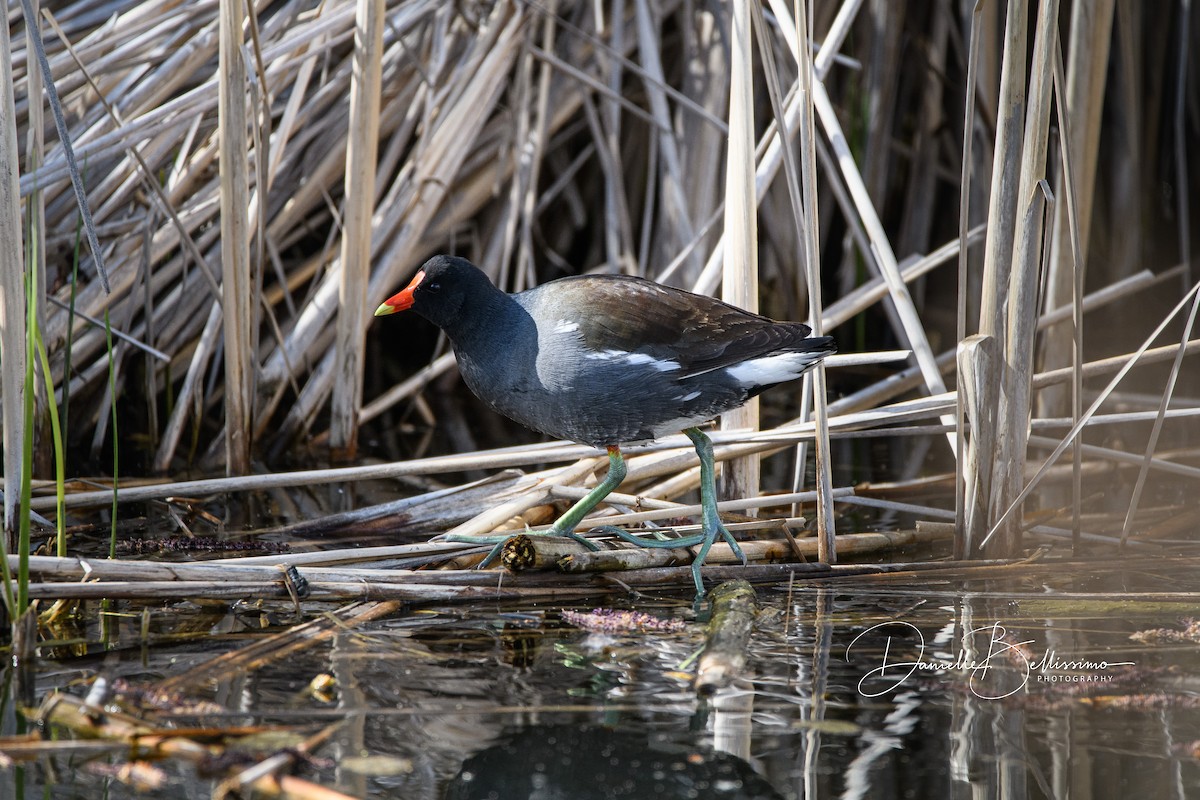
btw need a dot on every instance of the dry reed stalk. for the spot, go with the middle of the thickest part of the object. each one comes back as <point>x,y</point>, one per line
<point>826,532</point>
<point>1121,457</point>
<point>966,505</point>
<point>423,188</point>
<point>706,78</point>
<point>365,90</point>
<point>490,519</point>
<point>1002,200</point>
<point>978,387</point>
<point>188,396</point>
<point>360,590</point>
<point>757,551</point>
<point>675,206</point>
<point>12,293</point>
<point>1086,79</point>
<point>1017,344</point>
<point>238,298</point>
<point>1077,273</point>
<point>1006,161</point>
<point>1183,188</point>
<point>725,505</point>
<point>884,258</point>
<point>739,285</point>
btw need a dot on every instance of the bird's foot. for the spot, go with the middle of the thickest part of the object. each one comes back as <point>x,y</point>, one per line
<point>709,537</point>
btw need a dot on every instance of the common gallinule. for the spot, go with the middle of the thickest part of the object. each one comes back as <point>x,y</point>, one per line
<point>607,360</point>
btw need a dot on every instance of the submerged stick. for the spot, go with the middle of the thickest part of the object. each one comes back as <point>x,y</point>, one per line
<point>724,657</point>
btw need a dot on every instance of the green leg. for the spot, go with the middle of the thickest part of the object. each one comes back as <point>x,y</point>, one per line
<point>565,525</point>
<point>711,521</point>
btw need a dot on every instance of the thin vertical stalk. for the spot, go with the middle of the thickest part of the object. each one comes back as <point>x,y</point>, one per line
<point>361,152</point>
<point>191,381</point>
<point>1071,203</point>
<point>1182,184</point>
<point>609,126</point>
<point>35,209</point>
<point>70,340</point>
<point>826,532</point>
<point>12,312</point>
<point>1006,161</point>
<point>56,432</point>
<point>961,543</point>
<point>740,284</point>
<point>116,453</point>
<point>1021,317</point>
<point>674,204</point>
<point>64,137</point>
<point>237,283</point>
<point>1081,100</point>
<point>801,184</point>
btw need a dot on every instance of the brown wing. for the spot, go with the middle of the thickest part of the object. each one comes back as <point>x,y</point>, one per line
<point>699,332</point>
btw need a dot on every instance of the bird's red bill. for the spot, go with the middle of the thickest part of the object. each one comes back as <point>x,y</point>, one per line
<point>402,300</point>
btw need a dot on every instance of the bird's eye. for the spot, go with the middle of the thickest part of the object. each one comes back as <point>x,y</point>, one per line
<point>432,288</point>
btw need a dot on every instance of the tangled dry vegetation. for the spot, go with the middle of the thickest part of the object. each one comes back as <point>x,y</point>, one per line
<point>546,138</point>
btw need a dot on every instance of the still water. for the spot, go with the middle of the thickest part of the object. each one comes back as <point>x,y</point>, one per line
<point>1027,687</point>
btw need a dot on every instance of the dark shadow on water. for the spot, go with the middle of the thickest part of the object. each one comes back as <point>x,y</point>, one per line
<point>589,763</point>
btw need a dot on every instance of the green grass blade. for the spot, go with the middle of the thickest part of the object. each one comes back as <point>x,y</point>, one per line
<point>56,431</point>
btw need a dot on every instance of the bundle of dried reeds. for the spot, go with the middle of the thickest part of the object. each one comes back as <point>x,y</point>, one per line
<point>255,171</point>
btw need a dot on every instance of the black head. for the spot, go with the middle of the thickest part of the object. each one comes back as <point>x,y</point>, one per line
<point>443,291</point>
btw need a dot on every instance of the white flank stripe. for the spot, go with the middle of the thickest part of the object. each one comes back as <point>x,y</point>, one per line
<point>771,369</point>
<point>566,326</point>
<point>635,359</point>
<point>638,359</point>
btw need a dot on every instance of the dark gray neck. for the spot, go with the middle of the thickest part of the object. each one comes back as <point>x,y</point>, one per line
<point>492,327</point>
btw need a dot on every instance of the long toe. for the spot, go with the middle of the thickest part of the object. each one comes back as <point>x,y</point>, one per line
<point>733,545</point>
<point>492,555</point>
<point>697,579</point>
